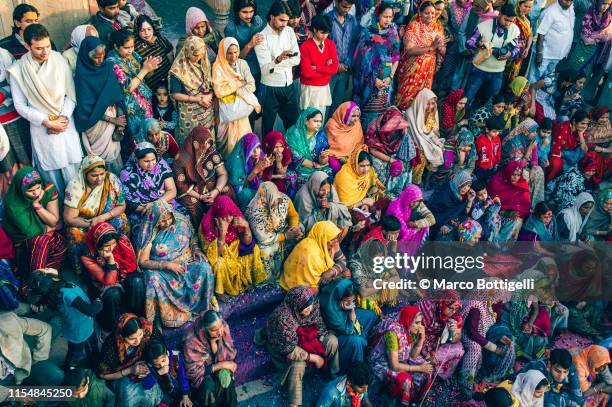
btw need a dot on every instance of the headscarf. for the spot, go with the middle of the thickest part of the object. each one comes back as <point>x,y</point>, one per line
<point>310,257</point>
<point>406,317</point>
<point>21,222</point>
<point>221,207</point>
<point>588,361</point>
<point>385,133</point>
<point>123,251</point>
<point>576,285</point>
<point>267,218</point>
<point>77,190</point>
<point>197,162</point>
<point>97,87</point>
<point>195,77</point>
<point>449,110</point>
<point>599,22</point>
<point>600,218</point>
<point>518,85</point>
<point>352,187</point>
<point>149,229</point>
<point>342,137</point>
<point>193,17</point>
<point>283,324</point>
<point>573,219</point>
<point>468,229</point>
<point>114,351</point>
<point>525,385</point>
<point>599,132</point>
<point>519,140</point>
<point>425,135</point>
<point>434,308</point>
<point>459,180</point>
<point>447,203</point>
<point>330,296</point>
<point>460,12</point>
<point>77,36</point>
<point>306,203</point>
<point>297,136</point>
<point>269,142</point>
<point>240,163</point>
<point>464,138</point>
<point>514,197</point>
<point>400,208</point>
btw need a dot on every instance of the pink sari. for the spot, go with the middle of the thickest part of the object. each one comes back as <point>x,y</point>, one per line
<point>409,239</point>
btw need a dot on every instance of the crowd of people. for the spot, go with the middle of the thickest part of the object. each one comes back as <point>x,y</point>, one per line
<point>146,185</point>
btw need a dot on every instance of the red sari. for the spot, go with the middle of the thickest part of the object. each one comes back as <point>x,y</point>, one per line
<point>513,196</point>
<point>562,139</point>
<point>269,142</point>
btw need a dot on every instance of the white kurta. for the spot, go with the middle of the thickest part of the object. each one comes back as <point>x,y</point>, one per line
<point>50,151</point>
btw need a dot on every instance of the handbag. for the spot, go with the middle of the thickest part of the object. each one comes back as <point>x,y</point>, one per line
<point>238,109</point>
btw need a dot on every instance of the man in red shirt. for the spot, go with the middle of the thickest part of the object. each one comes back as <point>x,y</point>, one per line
<point>318,64</point>
<point>488,148</point>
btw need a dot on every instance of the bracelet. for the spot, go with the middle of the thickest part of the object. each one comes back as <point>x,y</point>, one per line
<point>308,358</point>
<point>37,207</point>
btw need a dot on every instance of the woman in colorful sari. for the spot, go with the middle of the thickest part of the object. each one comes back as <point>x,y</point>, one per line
<point>592,365</point>
<point>396,355</point>
<point>94,195</point>
<point>343,131</point>
<point>391,149</point>
<point>276,226</point>
<point>229,247</point>
<point>308,145</point>
<point>458,11</point>
<point>357,183</point>
<point>453,113</point>
<point>246,165</point>
<point>31,215</point>
<point>316,260</point>
<point>145,179</point>
<point>164,143</point>
<point>275,146</point>
<point>459,155</point>
<point>571,221</point>
<point>234,87</point>
<point>99,114</point>
<point>110,262</point>
<point>539,229</point>
<point>197,25</point>
<point>518,101</point>
<point>514,194</point>
<point>599,139</point>
<point>414,217</point>
<point>520,65</point>
<point>424,128</point>
<point>190,86</point>
<point>450,204</point>
<point>528,389</point>
<point>443,322</point>
<point>123,364</point>
<point>293,331</point>
<point>376,59</point>
<point>178,277</point>
<point>424,43</point>
<point>130,70</point>
<point>598,225</point>
<point>318,200</point>
<point>568,144</point>
<point>561,192</point>
<point>200,174</point>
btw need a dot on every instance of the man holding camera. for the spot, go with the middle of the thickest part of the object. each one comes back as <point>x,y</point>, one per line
<point>494,42</point>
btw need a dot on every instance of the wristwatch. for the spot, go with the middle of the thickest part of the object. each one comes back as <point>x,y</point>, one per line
<point>52,117</point>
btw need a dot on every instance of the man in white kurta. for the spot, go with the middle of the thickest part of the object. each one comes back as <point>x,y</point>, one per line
<point>44,95</point>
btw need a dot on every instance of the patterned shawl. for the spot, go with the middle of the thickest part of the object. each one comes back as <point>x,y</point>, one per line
<point>450,115</point>
<point>385,133</point>
<point>573,219</point>
<point>123,251</point>
<point>425,136</point>
<point>600,130</point>
<point>267,213</point>
<point>352,187</point>
<point>199,161</point>
<point>515,145</point>
<point>269,143</point>
<point>195,76</point>
<point>342,136</point>
<point>240,162</point>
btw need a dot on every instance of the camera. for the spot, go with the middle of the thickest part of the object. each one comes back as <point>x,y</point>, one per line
<point>497,52</point>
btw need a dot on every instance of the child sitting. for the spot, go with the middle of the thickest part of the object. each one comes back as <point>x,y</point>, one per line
<point>488,148</point>
<point>572,98</point>
<point>543,139</point>
<point>167,369</point>
<point>163,109</point>
<point>89,390</point>
<point>486,211</point>
<point>127,14</point>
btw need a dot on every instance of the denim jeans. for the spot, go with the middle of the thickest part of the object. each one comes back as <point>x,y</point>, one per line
<point>491,82</point>
<point>539,72</point>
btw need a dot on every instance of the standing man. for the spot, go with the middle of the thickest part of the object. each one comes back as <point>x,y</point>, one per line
<point>498,35</point>
<point>43,94</point>
<point>277,54</point>
<point>555,36</point>
<point>106,21</point>
<point>345,34</point>
<point>23,16</point>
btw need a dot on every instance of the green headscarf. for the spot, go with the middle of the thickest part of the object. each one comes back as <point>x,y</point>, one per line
<point>297,139</point>
<point>21,221</point>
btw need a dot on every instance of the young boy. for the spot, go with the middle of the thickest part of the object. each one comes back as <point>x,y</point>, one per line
<point>488,148</point>
<point>167,369</point>
<point>89,390</point>
<point>486,212</point>
<point>341,391</point>
<point>544,138</point>
<point>106,21</point>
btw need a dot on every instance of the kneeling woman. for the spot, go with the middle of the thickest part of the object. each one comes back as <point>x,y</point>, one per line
<point>396,357</point>
<point>179,279</point>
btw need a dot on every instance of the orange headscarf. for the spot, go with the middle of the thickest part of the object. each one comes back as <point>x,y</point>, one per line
<point>343,137</point>
<point>588,361</point>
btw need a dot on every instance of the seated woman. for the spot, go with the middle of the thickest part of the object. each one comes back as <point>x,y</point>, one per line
<point>592,365</point>
<point>234,87</point>
<point>357,183</point>
<point>514,194</point>
<point>94,195</point>
<point>539,229</point>
<point>568,144</point>
<point>179,280</point>
<point>200,174</point>
<point>151,43</point>
<point>122,362</point>
<point>164,143</point>
<point>145,179</point>
<point>308,145</point>
<point>396,356</point>
<point>414,217</point>
<point>450,204</point>
<point>459,155</point>
<point>31,215</point>
<point>391,149</point>
<point>598,225</point>
<point>110,261</point>
<point>99,116</point>
<point>276,147</point>
<point>443,322</point>
<point>318,200</point>
<point>599,137</point>
<point>453,113</point>
<point>210,360</point>
<point>293,331</point>
<point>343,131</point>
<point>316,260</point>
<point>352,326</point>
<point>275,225</point>
<point>229,247</point>
<point>518,102</point>
<point>527,389</point>
<point>246,165</point>
<point>190,86</point>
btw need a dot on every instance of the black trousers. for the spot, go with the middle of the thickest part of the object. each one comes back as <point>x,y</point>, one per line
<point>282,100</point>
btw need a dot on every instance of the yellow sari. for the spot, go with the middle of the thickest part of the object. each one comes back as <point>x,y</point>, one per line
<point>352,187</point>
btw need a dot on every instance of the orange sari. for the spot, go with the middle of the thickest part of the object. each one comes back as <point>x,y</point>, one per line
<point>513,68</point>
<point>416,72</point>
